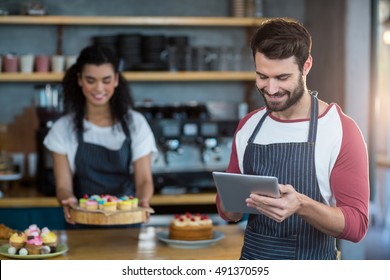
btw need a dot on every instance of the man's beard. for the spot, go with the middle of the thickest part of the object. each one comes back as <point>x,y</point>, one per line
<point>292,97</point>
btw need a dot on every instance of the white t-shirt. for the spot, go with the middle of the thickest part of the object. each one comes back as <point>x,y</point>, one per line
<point>62,138</point>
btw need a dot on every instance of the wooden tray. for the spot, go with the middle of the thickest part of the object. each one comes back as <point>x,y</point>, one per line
<point>119,217</point>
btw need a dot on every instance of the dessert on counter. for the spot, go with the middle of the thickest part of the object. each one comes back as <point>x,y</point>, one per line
<point>108,202</point>
<point>33,241</point>
<point>191,227</point>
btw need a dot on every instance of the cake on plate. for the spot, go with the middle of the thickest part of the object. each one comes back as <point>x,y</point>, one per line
<point>191,227</point>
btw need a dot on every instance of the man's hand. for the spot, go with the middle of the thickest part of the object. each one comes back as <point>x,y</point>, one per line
<point>277,209</point>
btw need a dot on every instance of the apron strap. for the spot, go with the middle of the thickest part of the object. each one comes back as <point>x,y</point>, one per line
<point>313,118</point>
<point>80,137</point>
<point>258,126</point>
<point>125,128</point>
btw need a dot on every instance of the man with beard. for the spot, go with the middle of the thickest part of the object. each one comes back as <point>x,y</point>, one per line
<point>317,153</point>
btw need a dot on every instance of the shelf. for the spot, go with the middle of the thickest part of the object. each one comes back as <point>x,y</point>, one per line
<point>33,77</point>
<point>122,20</point>
<point>163,76</point>
<point>190,76</point>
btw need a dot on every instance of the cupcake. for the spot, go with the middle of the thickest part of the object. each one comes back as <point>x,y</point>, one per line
<point>134,201</point>
<point>125,205</point>
<point>18,240</point>
<point>101,204</point>
<point>49,238</point>
<point>32,229</point>
<point>109,206</point>
<point>91,205</point>
<point>82,203</point>
<point>34,244</point>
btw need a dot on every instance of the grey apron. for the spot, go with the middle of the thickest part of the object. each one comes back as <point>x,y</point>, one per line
<point>103,171</point>
<point>292,163</point>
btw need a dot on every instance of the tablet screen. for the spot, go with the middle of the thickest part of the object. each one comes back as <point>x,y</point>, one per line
<point>233,189</point>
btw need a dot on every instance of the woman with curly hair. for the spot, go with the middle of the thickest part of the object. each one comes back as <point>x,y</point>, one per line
<point>101,145</point>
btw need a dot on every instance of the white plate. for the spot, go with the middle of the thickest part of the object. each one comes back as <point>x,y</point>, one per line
<point>164,237</point>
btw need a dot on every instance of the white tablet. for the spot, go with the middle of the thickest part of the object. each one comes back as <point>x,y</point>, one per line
<point>233,189</point>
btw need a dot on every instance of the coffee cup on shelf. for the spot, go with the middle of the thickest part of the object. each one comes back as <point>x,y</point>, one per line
<point>42,63</point>
<point>57,63</point>
<point>26,63</point>
<point>10,63</point>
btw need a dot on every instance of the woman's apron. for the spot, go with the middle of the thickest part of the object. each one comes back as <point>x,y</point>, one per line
<point>291,163</point>
<point>103,171</point>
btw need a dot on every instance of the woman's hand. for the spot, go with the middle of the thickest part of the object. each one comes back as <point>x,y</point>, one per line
<point>145,204</point>
<point>143,182</point>
<point>66,204</point>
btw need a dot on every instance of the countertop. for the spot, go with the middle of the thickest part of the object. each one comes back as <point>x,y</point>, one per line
<point>142,244</point>
<point>157,200</point>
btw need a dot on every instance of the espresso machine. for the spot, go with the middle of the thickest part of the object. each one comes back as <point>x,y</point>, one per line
<point>191,145</point>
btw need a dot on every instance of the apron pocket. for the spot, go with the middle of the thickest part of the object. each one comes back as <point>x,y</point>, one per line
<point>264,247</point>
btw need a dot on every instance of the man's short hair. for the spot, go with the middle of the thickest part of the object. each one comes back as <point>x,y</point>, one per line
<point>280,39</point>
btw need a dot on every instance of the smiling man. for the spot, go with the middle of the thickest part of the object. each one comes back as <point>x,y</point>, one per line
<point>316,151</point>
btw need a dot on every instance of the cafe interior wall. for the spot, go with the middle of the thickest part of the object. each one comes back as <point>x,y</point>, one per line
<point>328,46</point>
<point>21,39</point>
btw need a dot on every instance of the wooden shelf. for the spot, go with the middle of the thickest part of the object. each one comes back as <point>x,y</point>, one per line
<point>140,76</point>
<point>135,76</point>
<point>122,20</point>
<point>30,77</point>
<point>190,76</point>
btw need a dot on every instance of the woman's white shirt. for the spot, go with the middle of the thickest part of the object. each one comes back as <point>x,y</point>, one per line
<point>62,138</point>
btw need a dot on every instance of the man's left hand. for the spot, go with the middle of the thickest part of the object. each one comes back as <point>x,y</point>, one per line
<point>277,209</point>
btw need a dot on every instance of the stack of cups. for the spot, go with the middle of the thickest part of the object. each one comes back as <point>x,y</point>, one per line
<point>238,8</point>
